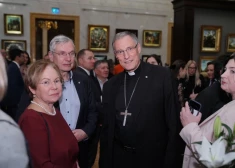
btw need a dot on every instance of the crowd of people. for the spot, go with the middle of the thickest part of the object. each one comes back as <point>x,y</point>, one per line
<point>70,106</point>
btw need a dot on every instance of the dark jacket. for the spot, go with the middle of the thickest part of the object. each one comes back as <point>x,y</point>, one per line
<point>156,103</point>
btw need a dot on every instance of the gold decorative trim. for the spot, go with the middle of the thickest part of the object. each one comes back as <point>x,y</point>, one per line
<point>34,16</point>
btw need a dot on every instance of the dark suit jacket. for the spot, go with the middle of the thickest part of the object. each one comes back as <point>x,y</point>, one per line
<point>156,100</point>
<point>15,86</point>
<point>212,99</point>
<point>95,89</point>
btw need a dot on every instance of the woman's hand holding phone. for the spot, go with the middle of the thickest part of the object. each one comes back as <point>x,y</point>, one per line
<point>187,117</point>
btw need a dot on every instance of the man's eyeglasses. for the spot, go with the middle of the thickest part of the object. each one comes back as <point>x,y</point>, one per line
<point>49,82</point>
<point>129,50</point>
<point>64,54</point>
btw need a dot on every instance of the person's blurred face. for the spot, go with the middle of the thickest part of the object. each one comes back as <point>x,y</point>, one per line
<point>182,72</point>
<point>49,88</point>
<point>4,53</point>
<point>127,52</point>
<point>102,71</point>
<point>228,78</point>
<point>192,69</point>
<point>26,58</point>
<point>21,59</point>
<point>210,71</point>
<point>152,60</point>
<point>63,56</point>
<point>87,61</point>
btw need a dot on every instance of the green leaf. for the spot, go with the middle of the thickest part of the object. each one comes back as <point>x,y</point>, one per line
<point>230,132</point>
<point>199,142</point>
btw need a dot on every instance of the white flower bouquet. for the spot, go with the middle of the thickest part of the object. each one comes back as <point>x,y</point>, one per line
<point>220,153</point>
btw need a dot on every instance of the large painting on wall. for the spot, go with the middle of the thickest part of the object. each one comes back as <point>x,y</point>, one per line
<point>13,24</point>
<point>98,38</point>
<point>210,38</point>
<point>231,43</point>
<point>152,38</point>
<point>203,63</point>
<point>10,44</point>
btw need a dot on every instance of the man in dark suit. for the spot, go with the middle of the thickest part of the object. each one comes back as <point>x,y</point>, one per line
<point>140,107</point>
<point>15,83</point>
<point>77,104</point>
<point>86,61</point>
<point>101,70</point>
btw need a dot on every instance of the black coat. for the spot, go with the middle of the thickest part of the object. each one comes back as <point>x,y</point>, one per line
<point>156,119</point>
<point>15,85</point>
<point>212,99</point>
<point>14,90</point>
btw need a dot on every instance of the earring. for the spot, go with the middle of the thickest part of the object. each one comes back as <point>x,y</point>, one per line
<point>34,96</point>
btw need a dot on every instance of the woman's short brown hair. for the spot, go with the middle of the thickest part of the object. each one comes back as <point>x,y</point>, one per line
<point>35,71</point>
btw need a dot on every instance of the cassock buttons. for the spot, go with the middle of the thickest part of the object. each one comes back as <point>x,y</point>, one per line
<point>146,76</point>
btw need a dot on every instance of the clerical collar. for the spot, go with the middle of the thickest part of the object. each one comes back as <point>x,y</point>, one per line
<point>135,72</point>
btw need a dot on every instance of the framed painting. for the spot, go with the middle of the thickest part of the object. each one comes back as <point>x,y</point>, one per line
<point>13,24</point>
<point>9,44</point>
<point>210,38</point>
<point>231,43</point>
<point>98,38</point>
<point>152,38</point>
<point>129,30</point>
<point>100,57</point>
<point>144,58</point>
<point>203,63</point>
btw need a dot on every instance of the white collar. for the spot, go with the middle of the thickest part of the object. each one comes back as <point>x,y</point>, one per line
<point>88,72</point>
<point>16,64</point>
<point>100,81</point>
<point>131,73</point>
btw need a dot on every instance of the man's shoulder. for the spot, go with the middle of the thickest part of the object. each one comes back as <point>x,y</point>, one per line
<point>79,75</point>
<point>159,71</point>
<point>12,65</point>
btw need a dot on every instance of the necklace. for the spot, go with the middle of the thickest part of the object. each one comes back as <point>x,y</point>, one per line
<point>125,114</point>
<point>50,113</point>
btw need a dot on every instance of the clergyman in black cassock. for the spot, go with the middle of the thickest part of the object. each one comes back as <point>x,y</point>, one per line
<point>147,137</point>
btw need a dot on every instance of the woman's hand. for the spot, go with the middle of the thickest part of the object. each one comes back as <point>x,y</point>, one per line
<point>187,117</point>
<point>193,96</point>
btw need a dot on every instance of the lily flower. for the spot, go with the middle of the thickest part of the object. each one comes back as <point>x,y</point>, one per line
<point>217,127</point>
<point>213,155</point>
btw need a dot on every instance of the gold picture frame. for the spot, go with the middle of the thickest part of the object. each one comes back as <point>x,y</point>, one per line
<point>7,44</point>
<point>231,43</point>
<point>13,24</point>
<point>34,29</point>
<point>203,63</point>
<point>210,38</point>
<point>98,38</point>
<point>152,38</point>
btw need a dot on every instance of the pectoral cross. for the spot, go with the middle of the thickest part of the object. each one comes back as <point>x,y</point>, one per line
<point>125,115</point>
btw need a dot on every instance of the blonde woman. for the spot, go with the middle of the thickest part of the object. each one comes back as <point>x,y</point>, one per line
<point>194,82</point>
<point>13,149</point>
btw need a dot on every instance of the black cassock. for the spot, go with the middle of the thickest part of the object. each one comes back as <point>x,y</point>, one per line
<point>148,138</point>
